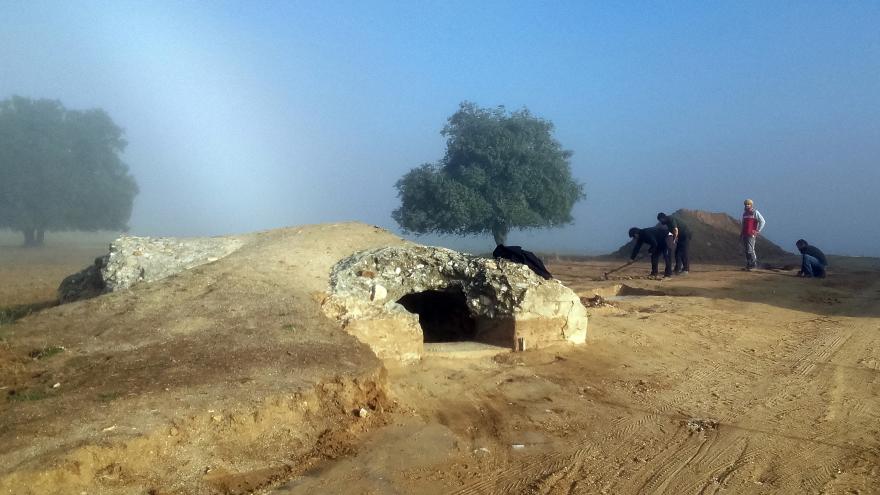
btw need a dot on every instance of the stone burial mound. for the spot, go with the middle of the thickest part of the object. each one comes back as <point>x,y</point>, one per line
<point>206,366</point>
<point>715,239</point>
<point>396,298</point>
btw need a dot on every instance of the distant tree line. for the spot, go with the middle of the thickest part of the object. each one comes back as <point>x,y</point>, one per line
<point>61,170</point>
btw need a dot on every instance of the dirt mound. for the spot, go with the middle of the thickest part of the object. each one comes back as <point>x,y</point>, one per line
<point>225,375</point>
<point>715,239</point>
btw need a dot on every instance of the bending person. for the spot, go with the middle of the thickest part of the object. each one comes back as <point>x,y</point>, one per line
<point>655,238</point>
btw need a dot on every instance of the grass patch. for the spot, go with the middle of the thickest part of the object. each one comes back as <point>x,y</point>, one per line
<point>109,396</point>
<point>9,315</point>
<point>46,352</point>
<point>27,395</point>
<point>289,327</point>
<point>12,313</point>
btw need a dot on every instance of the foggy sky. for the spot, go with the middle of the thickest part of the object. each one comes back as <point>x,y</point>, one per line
<point>244,116</point>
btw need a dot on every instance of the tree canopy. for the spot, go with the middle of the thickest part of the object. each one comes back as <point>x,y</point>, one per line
<point>501,171</point>
<point>61,169</point>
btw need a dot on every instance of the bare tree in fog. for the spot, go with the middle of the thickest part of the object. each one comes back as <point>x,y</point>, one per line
<point>501,171</point>
<point>61,170</point>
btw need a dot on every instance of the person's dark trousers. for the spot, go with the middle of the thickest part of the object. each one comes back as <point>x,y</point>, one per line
<point>655,260</point>
<point>667,258</point>
<point>811,266</point>
<point>668,253</point>
<point>682,262</point>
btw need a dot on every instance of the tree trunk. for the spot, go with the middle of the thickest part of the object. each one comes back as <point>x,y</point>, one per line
<point>29,237</point>
<point>499,232</point>
<point>41,235</point>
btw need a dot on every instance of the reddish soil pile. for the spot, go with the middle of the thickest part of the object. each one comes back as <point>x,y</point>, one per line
<point>715,239</point>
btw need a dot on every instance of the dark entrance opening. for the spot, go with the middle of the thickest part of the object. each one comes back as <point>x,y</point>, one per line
<point>443,315</point>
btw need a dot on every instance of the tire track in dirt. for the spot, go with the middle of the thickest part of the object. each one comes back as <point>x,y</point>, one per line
<point>810,462</point>
<point>682,449</point>
<point>851,399</point>
<point>814,347</point>
<point>794,463</point>
<point>805,363</point>
<point>810,360</point>
<point>552,469</point>
<point>725,469</point>
<point>659,482</point>
<point>820,354</point>
<point>516,476</point>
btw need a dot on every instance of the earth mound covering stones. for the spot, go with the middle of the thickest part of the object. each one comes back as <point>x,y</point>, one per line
<point>214,368</point>
<point>222,378</point>
<point>715,239</point>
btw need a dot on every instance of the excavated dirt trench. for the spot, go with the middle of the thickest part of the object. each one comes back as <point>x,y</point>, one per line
<point>623,290</point>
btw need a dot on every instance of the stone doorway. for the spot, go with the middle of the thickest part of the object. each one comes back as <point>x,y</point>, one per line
<point>405,300</point>
<point>443,315</point>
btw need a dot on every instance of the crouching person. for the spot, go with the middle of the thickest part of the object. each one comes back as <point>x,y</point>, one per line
<point>813,262</point>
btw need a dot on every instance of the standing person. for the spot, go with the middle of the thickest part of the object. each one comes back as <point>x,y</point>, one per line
<point>752,224</point>
<point>655,238</point>
<point>813,262</point>
<point>681,239</point>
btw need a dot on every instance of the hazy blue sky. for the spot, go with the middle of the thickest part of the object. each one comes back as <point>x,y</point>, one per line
<point>254,115</point>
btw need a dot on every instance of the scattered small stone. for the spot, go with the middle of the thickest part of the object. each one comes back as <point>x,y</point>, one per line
<point>217,418</point>
<point>596,301</point>
<point>173,431</point>
<point>701,424</point>
<point>56,385</point>
<point>517,446</point>
<point>363,413</point>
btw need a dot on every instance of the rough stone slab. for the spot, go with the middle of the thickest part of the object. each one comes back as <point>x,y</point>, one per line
<point>132,260</point>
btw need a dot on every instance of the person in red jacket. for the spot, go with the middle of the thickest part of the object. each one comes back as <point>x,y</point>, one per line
<point>752,224</point>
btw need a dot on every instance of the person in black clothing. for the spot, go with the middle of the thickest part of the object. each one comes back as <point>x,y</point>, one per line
<point>520,255</point>
<point>679,241</point>
<point>813,262</point>
<point>655,238</point>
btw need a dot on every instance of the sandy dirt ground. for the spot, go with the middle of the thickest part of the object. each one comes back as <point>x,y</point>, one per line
<point>728,382</point>
<point>226,378</point>
<point>719,382</point>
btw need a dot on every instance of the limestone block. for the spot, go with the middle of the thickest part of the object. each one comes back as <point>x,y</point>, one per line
<point>132,260</point>
<point>392,336</point>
